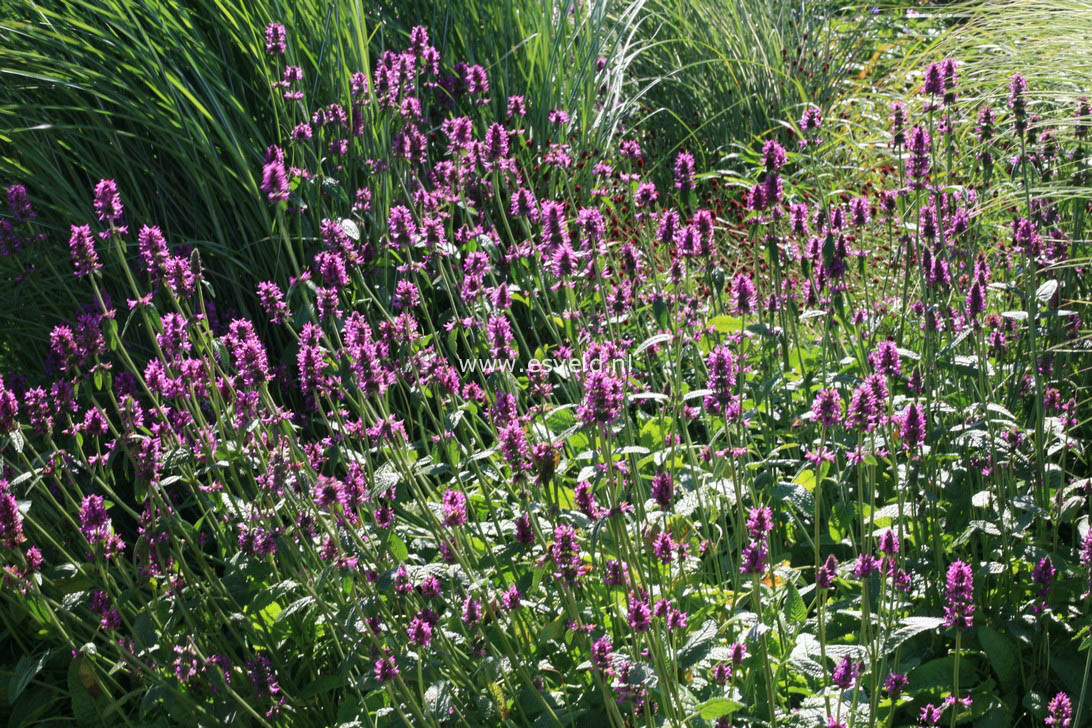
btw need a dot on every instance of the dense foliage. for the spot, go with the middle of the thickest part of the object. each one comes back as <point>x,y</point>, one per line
<point>512,422</point>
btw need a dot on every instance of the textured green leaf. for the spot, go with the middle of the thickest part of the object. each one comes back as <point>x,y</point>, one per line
<point>1003,656</point>
<point>698,645</point>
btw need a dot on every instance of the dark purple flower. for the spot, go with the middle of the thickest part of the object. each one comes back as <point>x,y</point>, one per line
<point>738,652</point>
<point>1084,118</point>
<point>743,293</point>
<point>933,84</point>
<point>275,38</point>
<point>846,673</point>
<point>722,367</point>
<point>895,684</point>
<point>646,195</point>
<point>1025,237</point>
<point>754,558</point>
<point>18,202</point>
<point>638,614</point>
<point>108,206</point>
<point>517,106</point>
<point>454,507</point>
<point>912,426</point>
<point>272,301</point>
<point>663,489</point>
<point>152,247</point>
<point>918,164</point>
<point>82,246</point>
<point>615,573</point>
<point>401,227</point>
<point>94,521</point>
<point>1018,86</point>
<point>524,533</point>
<point>602,651</point>
<point>986,119</point>
<point>684,171</point>
<point>496,142</point>
<point>756,198</point>
<point>773,155</point>
<point>950,77</point>
<point>511,598</point>
<point>959,595</point>
<point>473,611</point>
<point>760,522</point>
<point>663,546</point>
<point>975,302</point>
<point>859,211</point>
<point>565,554</point>
<point>274,181</point>
<point>898,124</point>
<point>476,80</point>
<point>889,542</point>
<point>604,396</point>
<point>812,120</point>
<point>827,408</point>
<point>824,578</point>
<point>9,409</point>
<point>386,669</point>
<point>1060,712</point>
<point>798,219</point>
<point>930,715</point>
<point>885,359</point>
<point>11,520</point>
<point>419,631</point>
<point>866,566</point>
<point>1043,577</point>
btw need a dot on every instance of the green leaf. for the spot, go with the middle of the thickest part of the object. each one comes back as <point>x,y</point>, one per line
<point>1004,659</point>
<point>938,674</point>
<point>439,700</point>
<point>698,645</point>
<point>268,615</point>
<point>301,603</point>
<point>726,324</point>
<point>111,332</point>
<point>398,547</point>
<point>321,686</point>
<point>81,683</point>
<point>806,479</point>
<point>25,670</point>
<point>795,610</point>
<point>909,627</point>
<point>717,707</point>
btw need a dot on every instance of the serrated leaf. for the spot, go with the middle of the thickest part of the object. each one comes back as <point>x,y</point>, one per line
<point>795,610</point>
<point>699,644</point>
<point>301,603</point>
<point>909,627</point>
